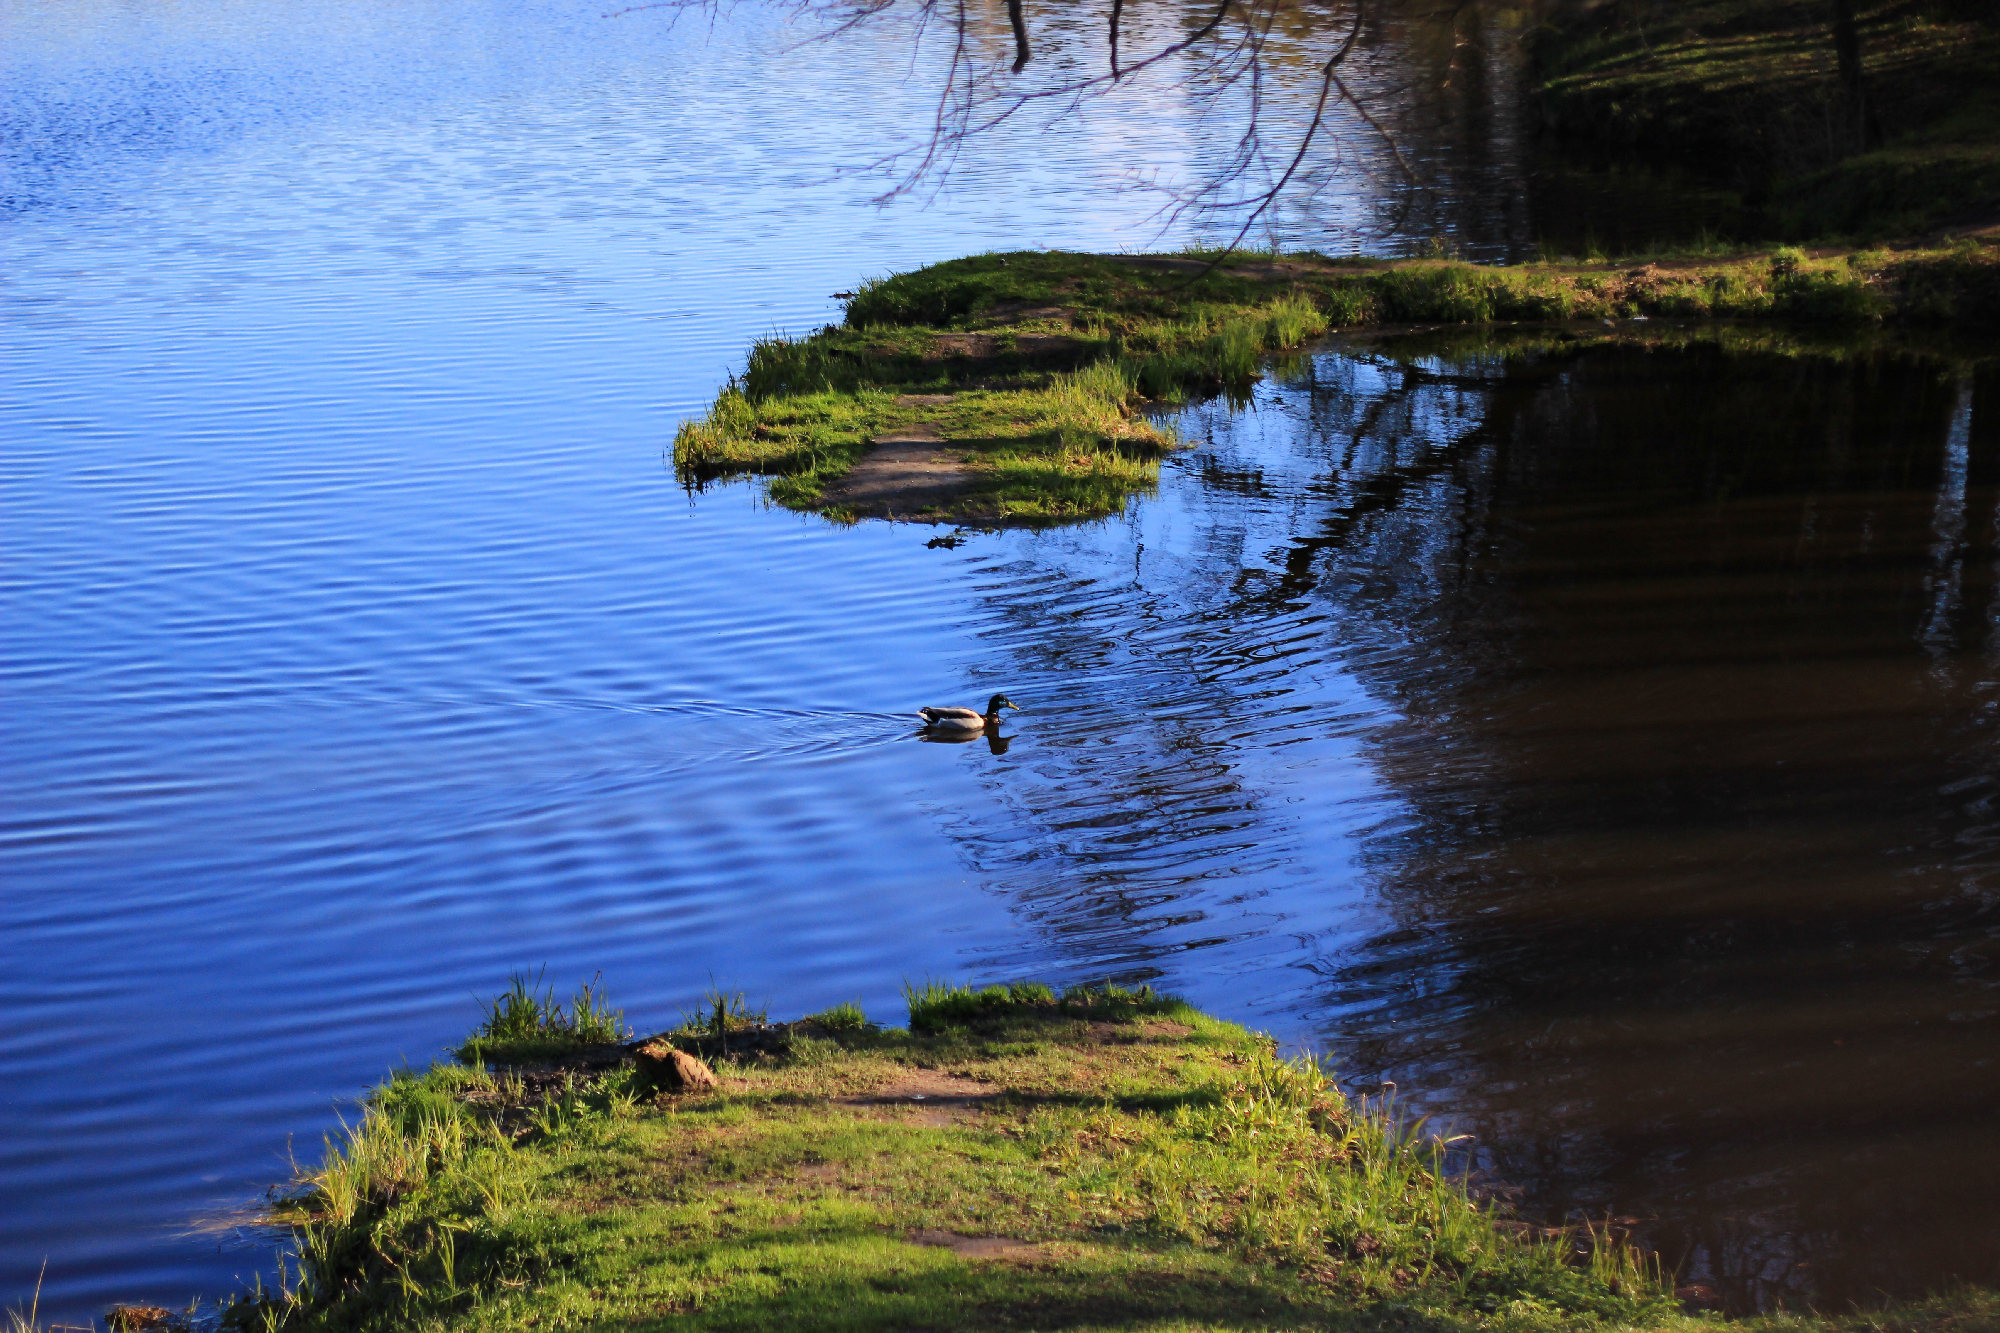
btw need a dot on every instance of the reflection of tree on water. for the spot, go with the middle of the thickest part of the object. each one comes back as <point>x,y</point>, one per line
<point>1373,124</point>
<point>1188,730</point>
<point>1694,919</point>
<point>1676,789</point>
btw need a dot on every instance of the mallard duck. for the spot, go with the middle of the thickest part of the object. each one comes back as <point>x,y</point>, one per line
<point>966,721</point>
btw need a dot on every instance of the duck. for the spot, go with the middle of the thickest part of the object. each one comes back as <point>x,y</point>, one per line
<point>966,721</point>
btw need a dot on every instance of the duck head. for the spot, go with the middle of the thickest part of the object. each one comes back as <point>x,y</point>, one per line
<point>998,702</point>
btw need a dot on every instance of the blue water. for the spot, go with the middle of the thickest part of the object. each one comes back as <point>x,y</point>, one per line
<point>360,649</point>
<point>359,646</point>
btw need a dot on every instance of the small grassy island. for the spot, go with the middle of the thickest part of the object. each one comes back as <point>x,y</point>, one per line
<point>1014,1159</point>
<point>1015,389</point>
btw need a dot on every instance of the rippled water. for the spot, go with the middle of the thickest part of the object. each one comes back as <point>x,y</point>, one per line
<point>1691,889</point>
<point>359,649</point>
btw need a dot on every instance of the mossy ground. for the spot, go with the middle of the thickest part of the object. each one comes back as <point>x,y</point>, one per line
<point>1748,91</point>
<point>1037,371</point>
<point>1100,1160</point>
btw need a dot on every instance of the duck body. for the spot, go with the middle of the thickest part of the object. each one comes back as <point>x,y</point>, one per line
<point>965,721</point>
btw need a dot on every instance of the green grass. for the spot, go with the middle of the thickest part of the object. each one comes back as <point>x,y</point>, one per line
<point>1051,362</point>
<point>528,1023</point>
<point>1159,1168</point>
<point>939,1005</point>
<point>844,1017</point>
<point>720,1013</point>
<point>1153,1168</point>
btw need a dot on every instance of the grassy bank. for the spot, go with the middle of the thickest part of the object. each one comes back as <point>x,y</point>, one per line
<point>1751,92</point>
<point>1102,1159</point>
<point>1027,378</point>
<point>1032,370</point>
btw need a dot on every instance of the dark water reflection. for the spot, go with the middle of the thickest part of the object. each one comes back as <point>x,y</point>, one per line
<point>1693,898</point>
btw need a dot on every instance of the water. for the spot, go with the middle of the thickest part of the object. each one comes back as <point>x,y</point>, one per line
<point>360,649</point>
<point>1692,899</point>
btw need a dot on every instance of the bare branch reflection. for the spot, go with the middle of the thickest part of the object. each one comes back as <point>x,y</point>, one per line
<point>1603,734</point>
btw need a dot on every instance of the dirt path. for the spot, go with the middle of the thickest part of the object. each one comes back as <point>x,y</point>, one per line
<point>928,1096</point>
<point>909,473</point>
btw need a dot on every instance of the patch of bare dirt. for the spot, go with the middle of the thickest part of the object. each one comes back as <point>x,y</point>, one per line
<point>928,1096</point>
<point>976,1247</point>
<point>910,470</point>
<point>982,346</point>
<point>1015,312</point>
<point>1268,269</point>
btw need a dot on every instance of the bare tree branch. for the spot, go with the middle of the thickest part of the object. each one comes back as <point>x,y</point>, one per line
<point>1329,79</point>
<point>1235,60</point>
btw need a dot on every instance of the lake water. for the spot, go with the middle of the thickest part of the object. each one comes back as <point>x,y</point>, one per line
<point>1596,739</point>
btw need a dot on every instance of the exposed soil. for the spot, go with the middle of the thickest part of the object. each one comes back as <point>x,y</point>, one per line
<point>1127,1034</point>
<point>985,346</point>
<point>910,473</point>
<point>976,1247</point>
<point>1017,312</point>
<point>928,1096</point>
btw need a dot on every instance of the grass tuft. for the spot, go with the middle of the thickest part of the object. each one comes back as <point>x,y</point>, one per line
<point>719,1013</point>
<point>844,1017</point>
<point>29,1320</point>
<point>936,1005</point>
<point>528,1023</point>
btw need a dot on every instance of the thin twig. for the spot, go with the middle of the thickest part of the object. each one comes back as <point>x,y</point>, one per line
<point>1329,79</point>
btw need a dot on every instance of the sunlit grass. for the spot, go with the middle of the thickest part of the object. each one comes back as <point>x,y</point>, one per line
<point>719,1013</point>
<point>844,1017</point>
<point>527,1022</point>
<point>1171,1170</point>
<point>1064,428</point>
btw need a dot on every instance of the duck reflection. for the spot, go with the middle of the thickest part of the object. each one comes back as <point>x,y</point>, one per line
<point>995,742</point>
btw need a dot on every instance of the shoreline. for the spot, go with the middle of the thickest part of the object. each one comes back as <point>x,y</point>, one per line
<point>1025,389</point>
<point>1099,1158</point>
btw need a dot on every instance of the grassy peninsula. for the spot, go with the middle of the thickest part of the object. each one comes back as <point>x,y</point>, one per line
<point>1024,387</point>
<point>1014,1158</point>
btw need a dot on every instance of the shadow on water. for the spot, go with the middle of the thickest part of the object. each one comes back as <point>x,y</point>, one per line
<point>1644,686</point>
<point>1694,911</point>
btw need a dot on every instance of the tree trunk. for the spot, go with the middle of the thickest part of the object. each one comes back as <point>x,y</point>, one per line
<point>1864,130</point>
